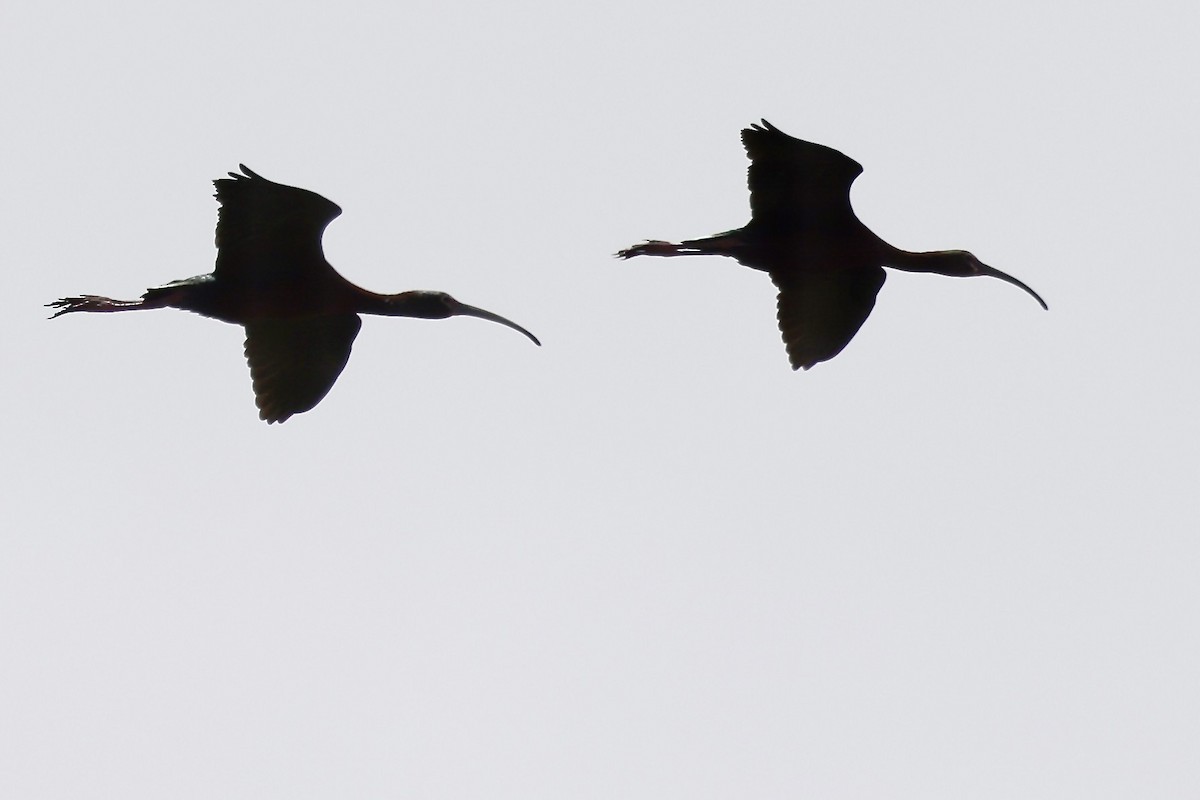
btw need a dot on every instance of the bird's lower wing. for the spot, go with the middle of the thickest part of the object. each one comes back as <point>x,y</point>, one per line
<point>295,362</point>
<point>821,310</point>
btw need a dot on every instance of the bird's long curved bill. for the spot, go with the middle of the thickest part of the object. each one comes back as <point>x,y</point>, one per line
<point>984,269</point>
<point>471,311</point>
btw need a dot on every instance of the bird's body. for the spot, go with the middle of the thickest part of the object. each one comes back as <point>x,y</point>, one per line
<point>271,276</point>
<point>803,232</point>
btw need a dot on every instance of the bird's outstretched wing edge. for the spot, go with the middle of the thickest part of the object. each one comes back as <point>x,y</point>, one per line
<point>793,182</point>
<point>295,362</point>
<point>260,222</point>
<point>820,311</point>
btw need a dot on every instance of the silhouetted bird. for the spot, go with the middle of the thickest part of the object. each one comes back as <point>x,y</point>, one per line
<point>271,276</point>
<point>804,234</point>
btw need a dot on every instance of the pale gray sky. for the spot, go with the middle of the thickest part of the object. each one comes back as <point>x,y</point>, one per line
<point>646,560</point>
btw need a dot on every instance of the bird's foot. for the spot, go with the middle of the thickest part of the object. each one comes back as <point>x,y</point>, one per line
<point>653,247</point>
<point>87,302</point>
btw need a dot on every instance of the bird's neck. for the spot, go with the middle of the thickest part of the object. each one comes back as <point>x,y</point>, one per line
<point>425,305</point>
<point>955,263</point>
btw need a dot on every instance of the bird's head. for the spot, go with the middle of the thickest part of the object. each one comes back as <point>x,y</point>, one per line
<point>956,264</point>
<point>425,305</point>
<point>439,305</point>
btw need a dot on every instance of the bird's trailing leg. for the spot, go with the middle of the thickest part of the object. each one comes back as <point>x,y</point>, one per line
<point>654,247</point>
<point>93,302</point>
<point>721,245</point>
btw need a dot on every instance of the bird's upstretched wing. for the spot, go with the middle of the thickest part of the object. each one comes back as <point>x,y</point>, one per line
<point>821,310</point>
<point>266,230</point>
<point>796,183</point>
<point>295,362</point>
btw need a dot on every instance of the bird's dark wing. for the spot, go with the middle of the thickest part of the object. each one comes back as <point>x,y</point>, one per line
<point>295,362</point>
<point>821,310</point>
<point>266,229</point>
<point>796,183</point>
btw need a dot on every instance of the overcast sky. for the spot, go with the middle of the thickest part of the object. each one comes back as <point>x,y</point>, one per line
<point>646,560</point>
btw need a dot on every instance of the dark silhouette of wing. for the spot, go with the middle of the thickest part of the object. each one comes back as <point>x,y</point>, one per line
<point>821,310</point>
<point>267,231</point>
<point>295,362</point>
<point>794,183</point>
